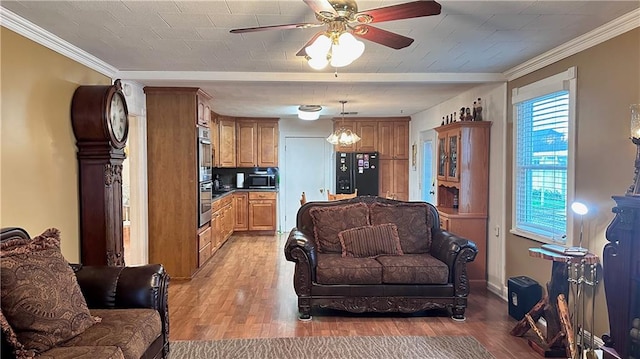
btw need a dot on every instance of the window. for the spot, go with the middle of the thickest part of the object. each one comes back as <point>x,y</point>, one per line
<point>543,158</point>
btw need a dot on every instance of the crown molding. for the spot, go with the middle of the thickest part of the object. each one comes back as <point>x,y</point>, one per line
<point>594,37</point>
<point>35,33</point>
<point>149,77</point>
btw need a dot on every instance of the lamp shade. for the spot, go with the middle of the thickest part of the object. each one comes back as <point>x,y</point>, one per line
<point>579,208</point>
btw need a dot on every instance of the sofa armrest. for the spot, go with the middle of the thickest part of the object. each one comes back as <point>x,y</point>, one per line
<point>301,249</point>
<point>144,286</point>
<point>452,249</point>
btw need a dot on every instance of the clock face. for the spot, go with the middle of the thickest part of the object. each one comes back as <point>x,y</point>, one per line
<point>118,117</point>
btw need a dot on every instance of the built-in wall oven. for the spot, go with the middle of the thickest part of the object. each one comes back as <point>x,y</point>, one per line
<point>205,154</point>
<point>205,199</point>
<point>205,168</point>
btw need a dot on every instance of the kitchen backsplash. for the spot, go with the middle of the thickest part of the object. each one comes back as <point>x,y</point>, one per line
<point>228,175</point>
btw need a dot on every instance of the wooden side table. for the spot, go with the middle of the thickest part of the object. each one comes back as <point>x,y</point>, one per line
<point>547,307</point>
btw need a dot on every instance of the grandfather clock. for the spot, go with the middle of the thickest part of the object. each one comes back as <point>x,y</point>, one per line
<point>99,117</point>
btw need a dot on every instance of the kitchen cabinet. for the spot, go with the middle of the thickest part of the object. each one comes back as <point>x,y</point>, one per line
<point>257,142</point>
<point>204,246</point>
<point>240,206</point>
<point>204,111</point>
<point>393,177</point>
<point>393,138</point>
<point>255,211</point>
<point>463,185</point>
<point>368,132</point>
<point>225,151</point>
<point>174,235</point>
<point>222,220</point>
<point>262,211</point>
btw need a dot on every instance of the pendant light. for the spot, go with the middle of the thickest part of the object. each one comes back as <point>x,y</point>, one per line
<point>342,136</point>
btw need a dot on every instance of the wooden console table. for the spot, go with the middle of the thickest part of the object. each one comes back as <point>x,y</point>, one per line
<point>547,307</point>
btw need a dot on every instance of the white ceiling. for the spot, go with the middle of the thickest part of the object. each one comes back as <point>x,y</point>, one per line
<point>187,43</point>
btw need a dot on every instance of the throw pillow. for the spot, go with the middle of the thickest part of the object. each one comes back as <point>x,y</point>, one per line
<point>370,241</point>
<point>331,220</point>
<point>41,298</point>
<point>9,336</point>
<point>413,222</point>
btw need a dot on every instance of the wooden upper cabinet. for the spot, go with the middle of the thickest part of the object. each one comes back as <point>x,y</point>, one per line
<point>257,142</point>
<point>267,143</point>
<point>368,132</point>
<point>214,132</point>
<point>247,154</point>
<point>226,153</point>
<point>393,138</point>
<point>203,109</point>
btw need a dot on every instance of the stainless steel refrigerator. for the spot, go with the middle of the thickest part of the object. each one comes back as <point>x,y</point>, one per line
<point>357,170</point>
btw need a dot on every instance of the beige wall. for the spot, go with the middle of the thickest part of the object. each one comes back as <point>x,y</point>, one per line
<point>608,82</point>
<point>38,168</point>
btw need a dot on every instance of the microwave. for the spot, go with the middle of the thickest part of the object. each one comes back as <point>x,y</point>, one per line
<point>261,180</point>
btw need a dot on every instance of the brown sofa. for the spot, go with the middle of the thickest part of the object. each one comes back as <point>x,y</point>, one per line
<point>429,271</point>
<point>128,304</point>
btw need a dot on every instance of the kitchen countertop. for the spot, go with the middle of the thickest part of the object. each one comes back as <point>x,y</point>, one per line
<point>219,194</point>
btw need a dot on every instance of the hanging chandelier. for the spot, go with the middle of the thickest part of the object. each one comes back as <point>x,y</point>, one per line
<point>337,47</point>
<point>342,136</point>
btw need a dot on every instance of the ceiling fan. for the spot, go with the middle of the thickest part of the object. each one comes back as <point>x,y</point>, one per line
<point>343,21</point>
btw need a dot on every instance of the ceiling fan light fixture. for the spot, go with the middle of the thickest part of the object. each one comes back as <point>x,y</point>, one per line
<point>317,63</point>
<point>319,48</point>
<point>309,112</point>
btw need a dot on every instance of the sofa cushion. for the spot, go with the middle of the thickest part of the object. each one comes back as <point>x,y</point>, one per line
<point>83,352</point>
<point>413,222</point>
<point>336,269</point>
<point>132,330</point>
<point>413,269</point>
<point>370,241</point>
<point>331,220</point>
<point>41,298</point>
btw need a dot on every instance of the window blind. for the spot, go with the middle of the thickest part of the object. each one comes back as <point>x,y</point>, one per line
<point>541,165</point>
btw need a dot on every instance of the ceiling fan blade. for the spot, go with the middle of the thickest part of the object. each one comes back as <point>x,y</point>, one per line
<point>400,11</point>
<point>322,7</point>
<point>382,37</point>
<point>275,27</point>
<point>303,51</point>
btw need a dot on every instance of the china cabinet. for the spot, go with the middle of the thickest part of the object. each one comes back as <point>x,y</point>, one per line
<point>463,185</point>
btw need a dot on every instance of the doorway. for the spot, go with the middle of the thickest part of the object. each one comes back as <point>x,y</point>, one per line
<point>134,194</point>
<point>428,179</point>
<point>306,170</point>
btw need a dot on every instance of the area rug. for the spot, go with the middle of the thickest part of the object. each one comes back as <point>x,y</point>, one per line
<point>374,347</point>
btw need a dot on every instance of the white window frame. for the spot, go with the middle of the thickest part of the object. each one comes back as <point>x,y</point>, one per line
<point>566,80</point>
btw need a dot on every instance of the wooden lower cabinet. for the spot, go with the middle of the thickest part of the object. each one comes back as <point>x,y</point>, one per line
<point>472,227</point>
<point>204,246</point>
<point>222,221</point>
<point>240,205</point>
<point>259,210</point>
<point>262,211</point>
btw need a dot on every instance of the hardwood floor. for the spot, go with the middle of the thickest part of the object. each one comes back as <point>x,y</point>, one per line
<point>246,291</point>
